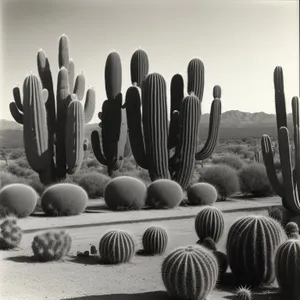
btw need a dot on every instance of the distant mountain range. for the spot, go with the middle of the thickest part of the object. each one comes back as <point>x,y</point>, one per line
<point>234,125</point>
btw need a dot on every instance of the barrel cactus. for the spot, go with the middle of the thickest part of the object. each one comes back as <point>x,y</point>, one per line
<point>209,243</point>
<point>251,245</point>
<point>288,269</point>
<point>11,233</point>
<point>155,240</point>
<point>243,293</point>
<point>116,246</point>
<point>19,199</point>
<point>209,222</point>
<point>190,272</point>
<point>292,230</point>
<point>51,246</point>
<point>164,193</point>
<point>125,193</point>
<point>202,193</point>
<point>64,199</point>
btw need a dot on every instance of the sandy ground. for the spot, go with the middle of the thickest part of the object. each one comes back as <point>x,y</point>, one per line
<point>22,278</point>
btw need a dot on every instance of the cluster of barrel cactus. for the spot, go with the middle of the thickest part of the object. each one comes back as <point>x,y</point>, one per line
<point>53,126</point>
<point>51,246</point>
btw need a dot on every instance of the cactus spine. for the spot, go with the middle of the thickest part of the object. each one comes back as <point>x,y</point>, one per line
<point>288,268</point>
<point>190,272</point>
<point>113,119</point>
<point>289,190</point>
<point>251,245</point>
<point>47,126</point>
<point>169,152</point>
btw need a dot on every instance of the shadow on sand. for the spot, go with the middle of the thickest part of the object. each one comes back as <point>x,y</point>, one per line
<point>21,259</point>
<point>158,295</point>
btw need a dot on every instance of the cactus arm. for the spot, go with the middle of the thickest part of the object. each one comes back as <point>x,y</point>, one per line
<point>195,74</point>
<point>74,136</point>
<point>90,104</point>
<point>113,75</point>
<point>16,114</point>
<point>79,87</point>
<point>296,172</point>
<point>266,147</point>
<point>280,98</point>
<point>213,132</point>
<point>71,74</point>
<point>174,129</point>
<point>139,67</point>
<point>134,122</point>
<point>85,144</point>
<point>63,52</point>
<point>17,98</point>
<point>96,145</point>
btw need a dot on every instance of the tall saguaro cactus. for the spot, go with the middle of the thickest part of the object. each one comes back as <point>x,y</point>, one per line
<point>170,151</point>
<point>113,119</point>
<point>289,188</point>
<point>54,132</point>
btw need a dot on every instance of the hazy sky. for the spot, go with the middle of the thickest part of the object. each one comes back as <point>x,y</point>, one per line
<point>240,43</point>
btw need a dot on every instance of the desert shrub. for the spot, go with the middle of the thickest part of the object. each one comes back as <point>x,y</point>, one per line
<point>254,180</point>
<point>125,193</point>
<point>202,193</point>
<point>93,163</point>
<point>164,193</point>
<point>94,184</point>
<point>17,153</point>
<point>64,199</point>
<point>20,199</point>
<point>36,184</point>
<point>23,163</point>
<point>8,178</point>
<point>15,169</point>
<point>224,178</point>
<point>129,164</point>
<point>247,154</point>
<point>237,149</point>
<point>231,160</point>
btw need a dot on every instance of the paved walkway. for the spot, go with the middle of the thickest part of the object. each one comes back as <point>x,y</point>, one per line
<point>98,215</point>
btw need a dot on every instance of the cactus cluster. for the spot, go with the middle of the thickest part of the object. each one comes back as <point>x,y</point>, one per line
<point>190,272</point>
<point>288,189</point>
<point>10,234</point>
<point>53,126</point>
<point>51,246</point>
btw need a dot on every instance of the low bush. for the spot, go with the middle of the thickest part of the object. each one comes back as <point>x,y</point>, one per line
<point>254,180</point>
<point>202,193</point>
<point>94,184</point>
<point>224,178</point>
<point>8,178</point>
<point>15,169</point>
<point>231,160</point>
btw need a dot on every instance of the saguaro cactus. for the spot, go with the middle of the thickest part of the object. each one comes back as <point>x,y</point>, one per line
<point>113,117</point>
<point>289,189</point>
<point>54,134</point>
<point>170,151</point>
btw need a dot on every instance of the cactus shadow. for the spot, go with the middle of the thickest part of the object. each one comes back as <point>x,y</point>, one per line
<point>143,252</point>
<point>21,259</point>
<point>86,260</point>
<point>260,296</point>
<point>157,295</point>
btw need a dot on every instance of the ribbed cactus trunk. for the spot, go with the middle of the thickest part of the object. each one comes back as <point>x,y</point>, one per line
<point>155,125</point>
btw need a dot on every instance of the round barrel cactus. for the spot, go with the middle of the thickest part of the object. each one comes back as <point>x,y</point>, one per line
<point>190,272</point>
<point>64,199</point>
<point>251,245</point>
<point>19,199</point>
<point>164,193</point>
<point>287,268</point>
<point>243,293</point>
<point>292,230</point>
<point>202,193</point>
<point>155,240</point>
<point>51,246</point>
<point>116,246</point>
<point>125,193</point>
<point>209,222</point>
<point>10,234</point>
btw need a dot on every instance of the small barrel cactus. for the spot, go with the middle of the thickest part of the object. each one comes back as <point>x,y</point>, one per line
<point>51,246</point>
<point>190,272</point>
<point>287,268</point>
<point>164,193</point>
<point>155,240</point>
<point>292,230</point>
<point>209,223</point>
<point>243,293</point>
<point>209,243</point>
<point>125,193</point>
<point>251,245</point>
<point>20,199</point>
<point>202,193</point>
<point>116,246</point>
<point>11,234</point>
<point>280,214</point>
<point>64,199</point>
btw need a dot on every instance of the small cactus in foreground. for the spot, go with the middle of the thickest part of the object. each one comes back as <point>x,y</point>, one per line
<point>116,246</point>
<point>11,234</point>
<point>208,243</point>
<point>243,293</point>
<point>292,230</point>
<point>155,240</point>
<point>51,246</point>
<point>190,272</point>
